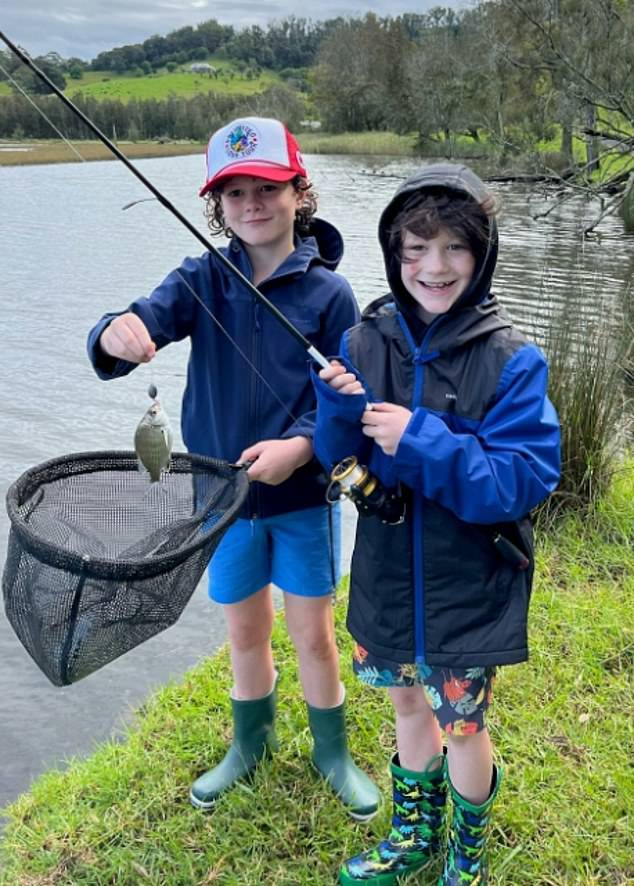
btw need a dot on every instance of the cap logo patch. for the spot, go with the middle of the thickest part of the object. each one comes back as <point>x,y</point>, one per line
<point>241,142</point>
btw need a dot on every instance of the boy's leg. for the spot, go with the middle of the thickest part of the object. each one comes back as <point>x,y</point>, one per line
<point>418,736</point>
<point>470,762</point>
<point>306,567</point>
<point>311,628</point>
<point>473,779</point>
<point>239,579</point>
<point>419,782</point>
<point>249,624</point>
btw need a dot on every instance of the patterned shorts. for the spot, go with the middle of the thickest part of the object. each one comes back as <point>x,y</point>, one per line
<point>459,697</point>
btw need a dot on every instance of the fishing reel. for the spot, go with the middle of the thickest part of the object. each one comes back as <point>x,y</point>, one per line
<point>349,479</point>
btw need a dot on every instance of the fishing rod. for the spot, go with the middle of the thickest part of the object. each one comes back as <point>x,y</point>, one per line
<point>255,292</point>
<point>348,479</point>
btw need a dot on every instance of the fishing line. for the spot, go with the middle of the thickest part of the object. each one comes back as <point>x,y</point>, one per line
<point>235,344</point>
<point>252,366</point>
<point>279,316</point>
<point>40,111</point>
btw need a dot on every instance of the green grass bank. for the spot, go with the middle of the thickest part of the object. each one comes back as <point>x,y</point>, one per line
<point>562,724</point>
<point>27,152</point>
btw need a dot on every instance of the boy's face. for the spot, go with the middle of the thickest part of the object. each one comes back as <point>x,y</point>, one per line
<point>260,212</point>
<point>436,272</point>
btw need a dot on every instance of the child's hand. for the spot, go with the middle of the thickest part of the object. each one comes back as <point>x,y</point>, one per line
<point>127,338</point>
<point>276,460</point>
<point>341,380</point>
<point>385,423</point>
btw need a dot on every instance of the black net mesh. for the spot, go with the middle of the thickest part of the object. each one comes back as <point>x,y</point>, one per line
<point>100,559</point>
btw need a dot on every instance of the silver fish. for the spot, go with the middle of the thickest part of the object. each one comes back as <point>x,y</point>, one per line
<point>153,439</point>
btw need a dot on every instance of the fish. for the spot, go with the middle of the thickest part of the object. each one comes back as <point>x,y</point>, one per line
<point>153,439</point>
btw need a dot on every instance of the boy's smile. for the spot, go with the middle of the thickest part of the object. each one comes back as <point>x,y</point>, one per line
<point>436,272</point>
<point>261,212</point>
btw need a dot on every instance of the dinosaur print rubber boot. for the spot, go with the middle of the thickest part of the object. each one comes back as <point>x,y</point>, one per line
<point>253,739</point>
<point>418,827</point>
<point>331,757</point>
<point>466,862</point>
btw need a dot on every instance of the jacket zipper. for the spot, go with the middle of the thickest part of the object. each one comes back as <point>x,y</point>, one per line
<point>421,356</point>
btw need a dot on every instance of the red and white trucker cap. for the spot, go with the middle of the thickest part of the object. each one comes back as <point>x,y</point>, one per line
<point>253,146</point>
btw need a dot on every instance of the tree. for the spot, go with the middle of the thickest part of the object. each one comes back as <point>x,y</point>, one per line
<point>583,49</point>
<point>360,72</point>
<point>31,83</point>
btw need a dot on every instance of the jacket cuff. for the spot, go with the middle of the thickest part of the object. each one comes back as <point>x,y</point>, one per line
<point>349,407</point>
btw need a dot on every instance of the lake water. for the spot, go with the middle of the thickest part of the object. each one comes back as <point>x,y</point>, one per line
<point>68,253</point>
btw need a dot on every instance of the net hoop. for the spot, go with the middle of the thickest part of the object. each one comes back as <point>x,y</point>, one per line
<point>89,462</point>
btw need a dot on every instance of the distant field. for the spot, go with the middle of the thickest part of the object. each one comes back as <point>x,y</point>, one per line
<point>27,153</point>
<point>181,83</point>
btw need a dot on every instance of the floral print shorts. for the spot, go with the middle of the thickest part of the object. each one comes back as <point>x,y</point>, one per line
<point>459,697</point>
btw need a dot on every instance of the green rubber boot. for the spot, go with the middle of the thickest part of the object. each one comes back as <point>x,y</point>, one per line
<point>418,828</point>
<point>466,861</point>
<point>332,759</point>
<point>253,739</point>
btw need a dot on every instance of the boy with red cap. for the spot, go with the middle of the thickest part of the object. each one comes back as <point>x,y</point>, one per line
<point>249,398</point>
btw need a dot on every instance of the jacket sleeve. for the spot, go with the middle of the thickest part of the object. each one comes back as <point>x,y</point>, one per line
<point>338,430</point>
<point>506,466</point>
<point>342,313</point>
<point>168,314</point>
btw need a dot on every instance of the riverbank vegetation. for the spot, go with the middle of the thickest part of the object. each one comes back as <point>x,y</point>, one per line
<point>538,88</point>
<point>563,728</point>
<point>590,364</point>
<point>27,152</point>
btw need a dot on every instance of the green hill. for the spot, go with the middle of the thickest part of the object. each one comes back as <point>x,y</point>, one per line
<point>182,83</point>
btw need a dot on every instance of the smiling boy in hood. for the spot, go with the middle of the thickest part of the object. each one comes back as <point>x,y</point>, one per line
<point>445,401</point>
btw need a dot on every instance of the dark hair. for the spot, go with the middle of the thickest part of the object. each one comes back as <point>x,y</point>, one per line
<point>428,210</point>
<point>303,216</point>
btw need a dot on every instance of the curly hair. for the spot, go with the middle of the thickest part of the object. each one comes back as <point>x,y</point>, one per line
<point>303,216</point>
<point>425,212</point>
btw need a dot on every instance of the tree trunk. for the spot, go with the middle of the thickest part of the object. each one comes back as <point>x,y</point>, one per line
<point>592,143</point>
<point>566,142</point>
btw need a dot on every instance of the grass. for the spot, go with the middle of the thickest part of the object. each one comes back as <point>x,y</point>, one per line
<point>388,143</point>
<point>562,725</point>
<point>56,151</point>
<point>181,83</point>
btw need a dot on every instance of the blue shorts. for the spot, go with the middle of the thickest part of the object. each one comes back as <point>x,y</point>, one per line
<point>300,552</point>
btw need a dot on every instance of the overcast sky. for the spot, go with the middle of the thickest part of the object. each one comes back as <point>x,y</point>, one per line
<point>83,28</point>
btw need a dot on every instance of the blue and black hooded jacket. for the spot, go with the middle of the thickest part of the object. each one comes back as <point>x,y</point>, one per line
<point>479,452</point>
<point>226,406</point>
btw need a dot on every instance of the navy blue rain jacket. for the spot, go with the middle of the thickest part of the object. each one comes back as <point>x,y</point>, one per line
<point>479,452</point>
<point>226,406</point>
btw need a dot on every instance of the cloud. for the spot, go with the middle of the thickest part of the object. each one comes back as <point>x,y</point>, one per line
<point>84,28</point>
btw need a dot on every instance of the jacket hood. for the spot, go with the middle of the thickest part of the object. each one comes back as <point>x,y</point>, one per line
<point>463,181</point>
<point>452,330</point>
<point>328,241</point>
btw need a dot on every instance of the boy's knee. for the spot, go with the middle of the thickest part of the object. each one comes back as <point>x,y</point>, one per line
<point>245,636</point>
<point>408,700</point>
<point>316,644</point>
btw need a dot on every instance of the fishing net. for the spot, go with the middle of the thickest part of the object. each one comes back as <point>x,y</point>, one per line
<point>100,559</point>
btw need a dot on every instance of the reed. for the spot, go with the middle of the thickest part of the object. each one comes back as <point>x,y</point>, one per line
<point>589,363</point>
